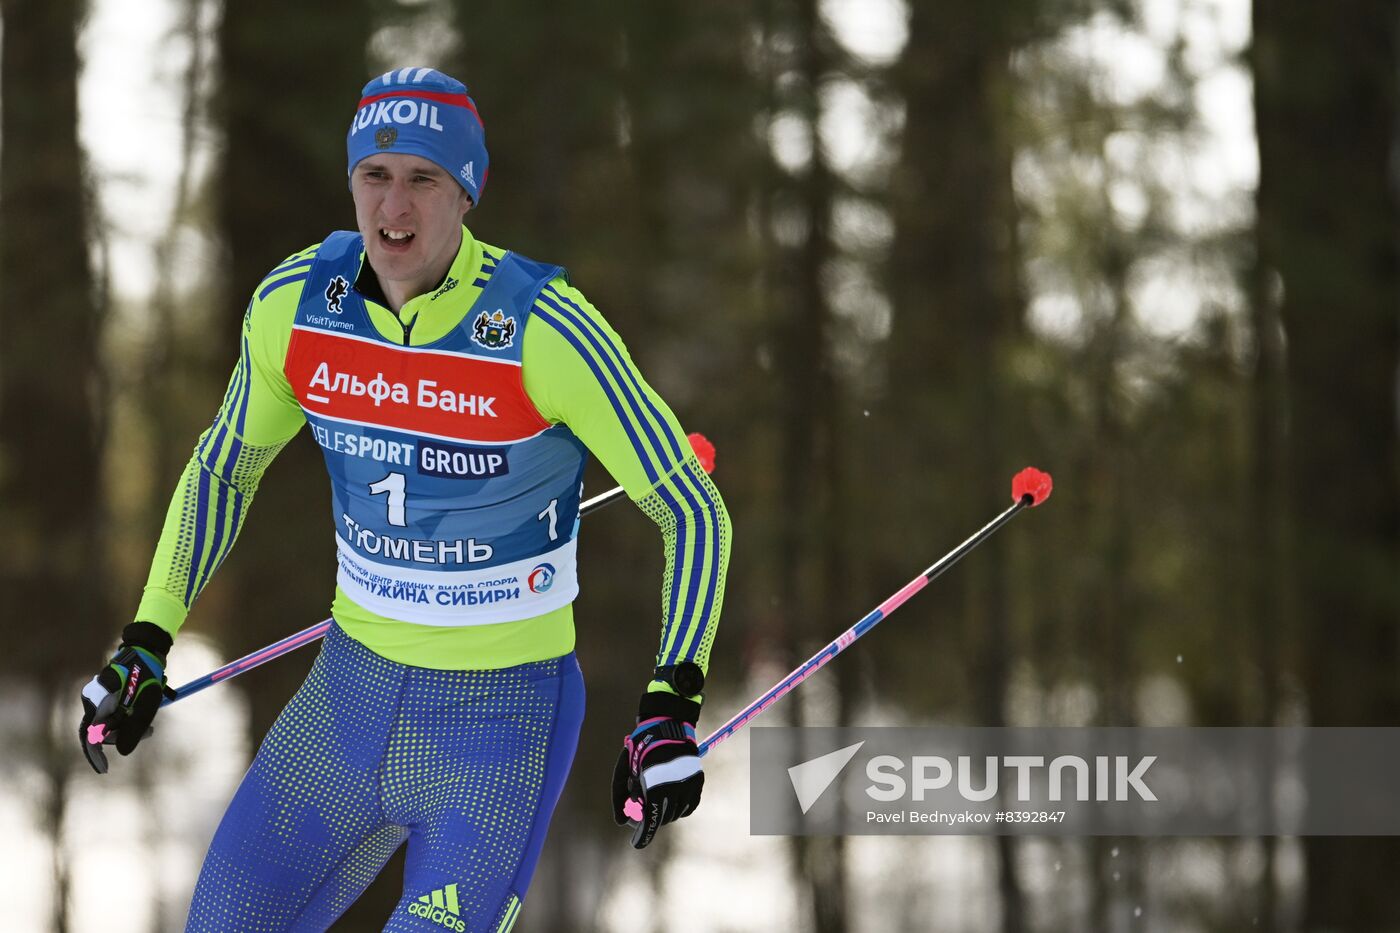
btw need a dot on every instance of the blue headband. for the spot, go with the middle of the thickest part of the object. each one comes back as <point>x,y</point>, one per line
<point>422,112</point>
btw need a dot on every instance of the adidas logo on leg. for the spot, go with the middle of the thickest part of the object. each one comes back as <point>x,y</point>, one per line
<point>440,907</point>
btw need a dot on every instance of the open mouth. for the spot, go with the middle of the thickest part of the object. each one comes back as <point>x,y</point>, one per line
<point>395,239</point>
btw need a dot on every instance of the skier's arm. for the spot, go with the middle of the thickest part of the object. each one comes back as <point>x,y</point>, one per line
<point>577,371</point>
<point>259,415</point>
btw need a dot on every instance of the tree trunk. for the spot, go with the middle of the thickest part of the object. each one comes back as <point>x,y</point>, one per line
<point>51,391</point>
<point>953,274</point>
<point>1271,593</point>
<point>285,102</point>
<point>1325,98</point>
<point>810,511</point>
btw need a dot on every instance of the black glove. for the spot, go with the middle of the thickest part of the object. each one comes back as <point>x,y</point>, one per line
<point>120,702</point>
<point>658,778</point>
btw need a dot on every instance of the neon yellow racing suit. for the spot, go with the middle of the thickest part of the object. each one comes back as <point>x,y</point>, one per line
<point>576,372</point>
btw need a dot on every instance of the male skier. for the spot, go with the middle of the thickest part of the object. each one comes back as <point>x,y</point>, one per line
<point>453,388</point>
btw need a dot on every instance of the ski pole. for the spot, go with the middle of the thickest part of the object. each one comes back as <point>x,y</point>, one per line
<point>704,452</point>
<point>1029,488</point>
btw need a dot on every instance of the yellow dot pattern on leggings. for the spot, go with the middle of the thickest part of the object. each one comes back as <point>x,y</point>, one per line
<point>465,766</point>
<point>369,753</point>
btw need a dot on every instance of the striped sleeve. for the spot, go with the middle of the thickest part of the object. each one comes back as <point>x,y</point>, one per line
<point>577,371</point>
<point>257,418</point>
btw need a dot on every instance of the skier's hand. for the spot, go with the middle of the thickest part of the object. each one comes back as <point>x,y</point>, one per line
<point>120,702</point>
<point>658,778</point>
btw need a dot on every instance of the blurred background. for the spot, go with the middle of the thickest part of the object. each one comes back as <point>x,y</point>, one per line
<point>884,253</point>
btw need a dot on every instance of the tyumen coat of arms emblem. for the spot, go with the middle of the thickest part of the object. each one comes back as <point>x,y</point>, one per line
<point>336,289</point>
<point>494,330</point>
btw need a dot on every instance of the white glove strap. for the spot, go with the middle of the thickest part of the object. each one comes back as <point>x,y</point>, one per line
<point>94,692</point>
<point>677,769</point>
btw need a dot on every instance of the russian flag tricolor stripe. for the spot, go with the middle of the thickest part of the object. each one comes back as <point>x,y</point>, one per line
<point>440,97</point>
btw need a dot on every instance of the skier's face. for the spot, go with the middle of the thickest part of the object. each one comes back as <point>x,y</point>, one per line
<point>410,213</point>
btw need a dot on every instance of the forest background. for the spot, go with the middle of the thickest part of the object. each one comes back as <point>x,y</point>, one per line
<point>884,253</point>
